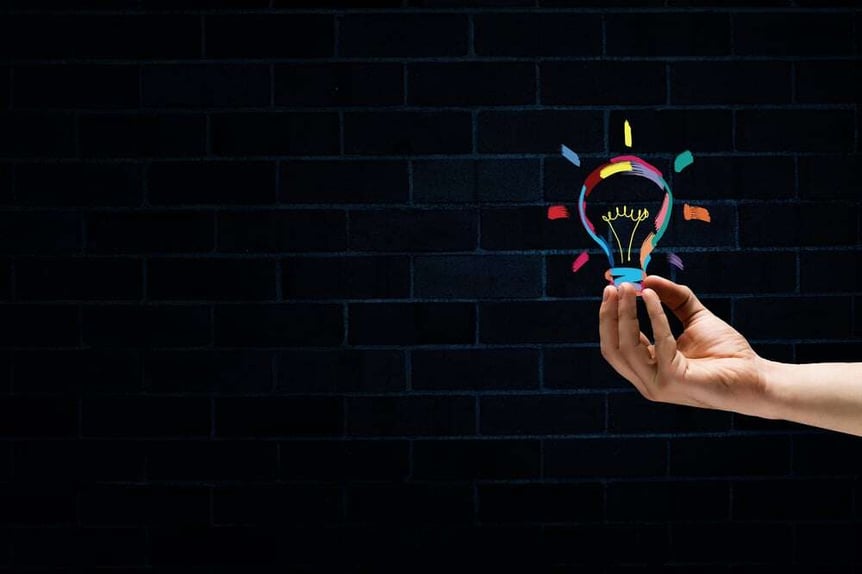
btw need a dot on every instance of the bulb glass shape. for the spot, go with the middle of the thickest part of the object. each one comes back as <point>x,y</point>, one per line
<point>624,229</point>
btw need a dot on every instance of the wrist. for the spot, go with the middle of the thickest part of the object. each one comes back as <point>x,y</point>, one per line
<point>773,382</point>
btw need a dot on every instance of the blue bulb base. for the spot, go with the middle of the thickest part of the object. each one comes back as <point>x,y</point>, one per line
<point>633,275</point>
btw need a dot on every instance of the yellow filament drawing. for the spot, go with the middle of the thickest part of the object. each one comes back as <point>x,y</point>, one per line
<point>635,216</point>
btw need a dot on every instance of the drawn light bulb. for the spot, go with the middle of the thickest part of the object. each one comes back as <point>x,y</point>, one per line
<point>628,224</point>
<point>627,232</point>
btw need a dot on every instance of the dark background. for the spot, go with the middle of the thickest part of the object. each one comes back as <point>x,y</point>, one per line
<point>279,293</point>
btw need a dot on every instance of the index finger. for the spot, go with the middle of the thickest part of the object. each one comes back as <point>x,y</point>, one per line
<point>681,299</point>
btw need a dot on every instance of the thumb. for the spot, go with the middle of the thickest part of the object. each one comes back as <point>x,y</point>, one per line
<point>679,298</point>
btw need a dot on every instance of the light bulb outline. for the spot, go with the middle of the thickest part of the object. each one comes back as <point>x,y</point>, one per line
<point>628,165</point>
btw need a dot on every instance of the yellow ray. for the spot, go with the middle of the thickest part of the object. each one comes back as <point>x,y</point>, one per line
<point>627,129</point>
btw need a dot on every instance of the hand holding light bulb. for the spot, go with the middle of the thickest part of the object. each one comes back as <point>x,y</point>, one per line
<point>711,365</point>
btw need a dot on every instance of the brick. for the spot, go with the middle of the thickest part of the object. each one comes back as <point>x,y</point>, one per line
<point>6,455</point>
<point>36,134</point>
<point>146,417</point>
<point>829,543</point>
<point>38,325</point>
<point>509,228</point>
<point>78,279</point>
<point>352,460</point>
<point>617,547</point>
<point>792,34</point>
<point>541,414</point>
<point>751,271</point>
<point>753,177</point>
<point>35,37</point>
<point>72,547</point>
<point>468,181</point>
<point>802,318</point>
<point>142,135</point>
<point>149,232</point>
<point>826,455</point>
<point>25,505</point>
<point>113,326</point>
<point>41,417</point>
<point>538,34</point>
<point>343,182</point>
<point>411,323</point>
<point>269,36</point>
<point>630,412</point>
<point>479,277</point>
<point>5,87</point>
<point>415,230</point>
<point>795,130</point>
<point>746,542</point>
<point>346,277</point>
<point>211,279</point>
<point>411,416</point>
<point>603,83</point>
<point>579,368</point>
<point>39,233</point>
<point>475,459</point>
<point>729,456</point>
<point>799,224</point>
<point>562,282</point>
<point>41,184</point>
<point>274,133</point>
<point>813,500</point>
<point>276,504</point>
<point>668,34</point>
<point>827,352</point>
<point>77,371</point>
<point>407,133</point>
<point>229,546</point>
<point>673,131</point>
<point>205,4</point>
<point>668,500</point>
<point>272,325</point>
<point>339,84</point>
<point>402,35</point>
<point>827,272</point>
<point>540,131</point>
<point>41,462</point>
<point>736,82</point>
<point>205,460</point>
<point>210,182</point>
<point>278,416</point>
<point>410,504</point>
<point>471,84</point>
<point>475,369</point>
<point>133,505</point>
<point>340,370</point>
<point>537,322</point>
<point>589,458</point>
<point>205,85</point>
<point>820,81</point>
<point>281,231</point>
<point>208,371</point>
<point>541,502</point>
<point>829,177</point>
<point>95,86</point>
<point>6,279</point>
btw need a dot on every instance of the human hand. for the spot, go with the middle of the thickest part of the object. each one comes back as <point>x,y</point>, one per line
<point>711,365</point>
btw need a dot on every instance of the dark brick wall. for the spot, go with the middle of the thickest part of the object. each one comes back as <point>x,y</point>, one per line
<point>278,293</point>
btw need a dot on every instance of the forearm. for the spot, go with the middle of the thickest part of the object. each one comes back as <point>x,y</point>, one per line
<point>825,395</point>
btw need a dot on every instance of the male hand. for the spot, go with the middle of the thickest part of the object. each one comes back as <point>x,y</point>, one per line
<point>711,365</point>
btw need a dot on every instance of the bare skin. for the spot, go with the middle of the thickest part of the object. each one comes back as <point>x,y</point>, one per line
<point>713,366</point>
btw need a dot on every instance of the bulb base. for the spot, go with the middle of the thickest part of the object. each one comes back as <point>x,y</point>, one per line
<point>633,275</point>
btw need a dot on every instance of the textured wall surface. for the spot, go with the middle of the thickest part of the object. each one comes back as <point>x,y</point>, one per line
<point>279,293</point>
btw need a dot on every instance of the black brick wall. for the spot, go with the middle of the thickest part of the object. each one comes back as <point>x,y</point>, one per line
<point>278,292</point>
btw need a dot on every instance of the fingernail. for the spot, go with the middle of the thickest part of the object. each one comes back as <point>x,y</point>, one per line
<point>605,293</point>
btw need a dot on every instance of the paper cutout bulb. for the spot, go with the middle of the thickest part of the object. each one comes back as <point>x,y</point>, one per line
<point>627,234</point>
